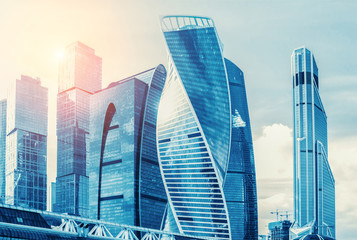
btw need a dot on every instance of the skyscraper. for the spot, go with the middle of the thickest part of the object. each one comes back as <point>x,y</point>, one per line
<point>80,68</point>
<point>2,148</point>
<point>314,185</point>
<point>125,181</point>
<point>204,137</point>
<point>26,144</point>
<point>80,74</point>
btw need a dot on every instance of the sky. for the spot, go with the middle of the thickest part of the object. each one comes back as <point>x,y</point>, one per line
<point>258,36</point>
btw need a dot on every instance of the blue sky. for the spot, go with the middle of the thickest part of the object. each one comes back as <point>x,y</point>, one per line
<point>259,36</point>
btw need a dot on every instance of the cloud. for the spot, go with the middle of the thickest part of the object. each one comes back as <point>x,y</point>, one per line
<point>266,206</point>
<point>339,96</point>
<point>274,166</point>
<point>274,152</point>
<point>343,161</point>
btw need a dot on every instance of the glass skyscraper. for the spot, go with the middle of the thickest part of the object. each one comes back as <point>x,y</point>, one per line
<point>125,182</point>
<point>2,148</point>
<point>314,184</point>
<point>26,144</point>
<point>80,75</point>
<point>204,137</point>
<point>80,68</point>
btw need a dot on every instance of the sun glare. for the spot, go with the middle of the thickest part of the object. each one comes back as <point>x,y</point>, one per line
<point>60,54</point>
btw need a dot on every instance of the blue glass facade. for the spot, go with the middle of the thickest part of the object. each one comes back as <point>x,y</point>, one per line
<point>240,182</point>
<point>204,139</point>
<point>72,135</point>
<point>314,185</point>
<point>80,68</point>
<point>3,104</point>
<point>125,181</point>
<point>26,144</point>
<point>80,75</point>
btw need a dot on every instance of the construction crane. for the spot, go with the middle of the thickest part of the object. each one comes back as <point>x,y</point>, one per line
<point>286,215</point>
<point>277,214</point>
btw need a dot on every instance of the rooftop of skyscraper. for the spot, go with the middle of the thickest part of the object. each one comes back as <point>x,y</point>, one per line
<point>30,79</point>
<point>82,46</point>
<point>142,76</point>
<point>180,22</point>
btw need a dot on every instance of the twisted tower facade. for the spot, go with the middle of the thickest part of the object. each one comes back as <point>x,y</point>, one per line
<point>204,138</point>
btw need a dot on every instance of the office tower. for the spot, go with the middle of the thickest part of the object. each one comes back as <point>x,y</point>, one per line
<point>80,75</point>
<point>26,144</point>
<point>204,137</point>
<point>314,185</point>
<point>80,68</point>
<point>125,181</point>
<point>2,148</point>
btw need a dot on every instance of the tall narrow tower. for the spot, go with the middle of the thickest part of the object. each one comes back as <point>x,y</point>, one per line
<point>204,138</point>
<point>314,185</point>
<point>3,104</point>
<point>26,144</point>
<point>80,75</point>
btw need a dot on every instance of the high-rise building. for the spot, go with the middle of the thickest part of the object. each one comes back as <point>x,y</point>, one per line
<point>279,230</point>
<point>314,184</point>
<point>2,148</point>
<point>26,144</point>
<point>80,74</point>
<point>125,182</point>
<point>204,137</point>
<point>80,68</point>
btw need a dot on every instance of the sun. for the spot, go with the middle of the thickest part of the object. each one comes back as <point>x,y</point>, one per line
<point>60,54</point>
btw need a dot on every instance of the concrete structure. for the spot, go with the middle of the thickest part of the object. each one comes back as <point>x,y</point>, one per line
<point>22,223</point>
<point>279,230</point>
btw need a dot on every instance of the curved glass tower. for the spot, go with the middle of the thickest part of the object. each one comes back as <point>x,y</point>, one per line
<point>125,182</point>
<point>204,139</point>
<point>314,184</point>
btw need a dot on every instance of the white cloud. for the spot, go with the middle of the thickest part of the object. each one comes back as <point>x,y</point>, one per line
<point>274,152</point>
<point>274,167</point>
<point>280,201</point>
<point>343,161</point>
